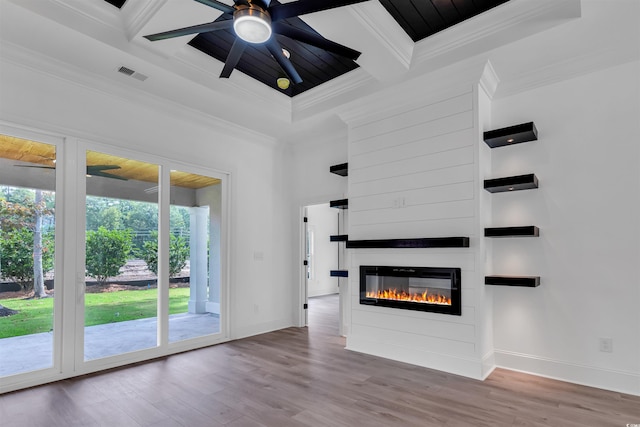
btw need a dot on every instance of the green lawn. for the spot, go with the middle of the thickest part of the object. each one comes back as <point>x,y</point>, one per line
<point>36,315</point>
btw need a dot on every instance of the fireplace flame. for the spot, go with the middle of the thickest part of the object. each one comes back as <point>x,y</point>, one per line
<point>395,295</point>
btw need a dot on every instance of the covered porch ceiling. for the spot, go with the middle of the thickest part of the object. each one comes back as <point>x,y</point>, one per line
<point>32,154</point>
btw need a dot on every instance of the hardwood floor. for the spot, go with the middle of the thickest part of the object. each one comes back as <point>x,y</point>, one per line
<point>304,377</point>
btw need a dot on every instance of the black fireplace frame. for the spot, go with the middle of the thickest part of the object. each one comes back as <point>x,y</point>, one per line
<point>454,274</point>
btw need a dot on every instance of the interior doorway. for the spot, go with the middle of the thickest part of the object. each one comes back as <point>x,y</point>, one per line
<point>322,254</point>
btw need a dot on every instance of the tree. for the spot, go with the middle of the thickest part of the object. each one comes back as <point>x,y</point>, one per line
<point>111,218</point>
<point>178,253</point>
<point>179,220</point>
<point>17,259</point>
<point>38,272</point>
<point>107,252</point>
<point>16,262</point>
<point>27,250</point>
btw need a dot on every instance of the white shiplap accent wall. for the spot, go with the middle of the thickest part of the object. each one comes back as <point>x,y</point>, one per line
<point>414,173</point>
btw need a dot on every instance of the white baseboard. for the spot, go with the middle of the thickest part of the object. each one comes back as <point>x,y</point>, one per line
<point>488,364</point>
<point>261,328</point>
<point>608,379</point>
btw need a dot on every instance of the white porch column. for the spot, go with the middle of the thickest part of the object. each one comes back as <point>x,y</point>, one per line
<point>215,224</point>
<point>198,259</point>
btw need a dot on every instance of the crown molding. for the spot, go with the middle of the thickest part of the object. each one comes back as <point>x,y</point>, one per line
<point>332,89</point>
<point>45,65</point>
<point>505,23</point>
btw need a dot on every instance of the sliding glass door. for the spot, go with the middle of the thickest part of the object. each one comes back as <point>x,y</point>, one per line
<point>27,255</point>
<point>131,245</point>
<point>121,246</point>
<point>194,255</point>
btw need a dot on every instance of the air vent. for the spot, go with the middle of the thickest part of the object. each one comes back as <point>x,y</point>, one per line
<point>126,71</point>
<point>132,73</point>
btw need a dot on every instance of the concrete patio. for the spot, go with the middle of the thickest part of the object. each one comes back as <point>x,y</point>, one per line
<point>33,352</point>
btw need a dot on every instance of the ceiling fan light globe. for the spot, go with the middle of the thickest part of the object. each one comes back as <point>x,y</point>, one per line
<point>252,25</point>
<point>283,83</point>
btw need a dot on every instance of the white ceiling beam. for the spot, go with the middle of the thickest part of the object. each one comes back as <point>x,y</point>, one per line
<point>368,28</point>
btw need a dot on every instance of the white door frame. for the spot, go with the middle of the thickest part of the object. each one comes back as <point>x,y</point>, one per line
<point>303,299</point>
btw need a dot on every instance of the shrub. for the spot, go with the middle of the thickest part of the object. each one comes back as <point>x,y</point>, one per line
<point>178,253</point>
<point>16,255</point>
<point>107,252</point>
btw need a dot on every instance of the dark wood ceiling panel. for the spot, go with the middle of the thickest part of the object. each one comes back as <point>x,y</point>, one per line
<point>315,66</point>
<point>116,3</point>
<point>464,7</point>
<point>429,14</point>
<point>423,18</point>
<point>447,10</point>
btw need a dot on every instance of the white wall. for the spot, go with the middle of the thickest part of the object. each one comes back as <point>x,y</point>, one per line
<point>323,220</point>
<point>260,256</point>
<point>310,158</point>
<point>587,160</point>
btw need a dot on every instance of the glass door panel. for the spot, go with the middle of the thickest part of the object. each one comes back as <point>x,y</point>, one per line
<point>194,255</point>
<point>27,236</point>
<point>121,246</point>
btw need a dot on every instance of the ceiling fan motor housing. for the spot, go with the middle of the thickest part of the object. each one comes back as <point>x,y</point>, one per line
<point>252,23</point>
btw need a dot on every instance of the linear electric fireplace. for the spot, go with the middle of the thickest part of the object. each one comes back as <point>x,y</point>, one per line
<point>432,289</point>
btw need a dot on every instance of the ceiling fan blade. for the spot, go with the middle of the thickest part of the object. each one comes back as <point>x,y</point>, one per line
<point>302,7</point>
<point>276,50</point>
<point>107,175</point>
<point>98,168</point>
<point>263,3</point>
<point>202,28</point>
<point>233,57</point>
<point>217,5</point>
<point>315,40</point>
<point>35,166</point>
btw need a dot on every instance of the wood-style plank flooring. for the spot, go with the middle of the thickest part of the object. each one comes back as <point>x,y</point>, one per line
<point>304,377</point>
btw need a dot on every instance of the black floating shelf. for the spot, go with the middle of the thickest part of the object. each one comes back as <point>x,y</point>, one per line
<point>430,242</point>
<point>511,183</point>
<point>339,238</point>
<point>339,273</point>
<point>340,204</point>
<point>524,231</point>
<point>341,169</point>
<point>517,134</point>
<point>523,281</point>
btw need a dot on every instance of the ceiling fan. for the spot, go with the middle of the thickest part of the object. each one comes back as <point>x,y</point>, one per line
<point>92,170</point>
<point>257,21</point>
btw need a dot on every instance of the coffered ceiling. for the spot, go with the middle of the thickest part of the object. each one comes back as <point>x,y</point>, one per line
<point>417,18</point>
<point>402,43</point>
<point>421,19</point>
